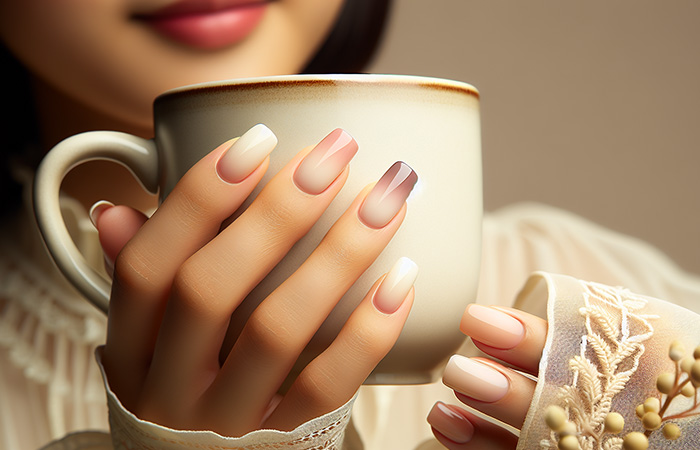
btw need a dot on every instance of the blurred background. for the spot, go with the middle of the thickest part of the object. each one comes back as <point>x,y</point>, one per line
<point>590,106</point>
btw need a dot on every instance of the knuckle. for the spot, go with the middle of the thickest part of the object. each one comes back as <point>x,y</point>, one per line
<point>134,269</point>
<point>366,344</point>
<point>196,290</point>
<point>317,386</point>
<point>278,217</point>
<point>270,335</point>
<point>346,254</point>
<point>193,203</point>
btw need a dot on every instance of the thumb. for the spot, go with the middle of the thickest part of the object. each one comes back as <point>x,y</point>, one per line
<point>116,225</point>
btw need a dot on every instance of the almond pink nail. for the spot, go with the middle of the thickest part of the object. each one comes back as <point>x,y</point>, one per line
<point>325,162</point>
<point>388,196</point>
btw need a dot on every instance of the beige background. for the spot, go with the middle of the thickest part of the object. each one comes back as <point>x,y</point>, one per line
<point>592,106</point>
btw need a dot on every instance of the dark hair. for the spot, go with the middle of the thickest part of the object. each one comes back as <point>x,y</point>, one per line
<point>354,39</point>
<point>19,128</point>
<point>348,49</point>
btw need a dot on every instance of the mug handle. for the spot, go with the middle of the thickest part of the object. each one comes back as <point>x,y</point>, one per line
<point>137,154</point>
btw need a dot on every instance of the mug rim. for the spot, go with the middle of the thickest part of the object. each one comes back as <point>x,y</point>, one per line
<point>324,79</point>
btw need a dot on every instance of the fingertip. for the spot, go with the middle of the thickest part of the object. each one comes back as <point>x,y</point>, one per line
<point>245,154</point>
<point>116,225</point>
<point>388,196</point>
<point>395,286</point>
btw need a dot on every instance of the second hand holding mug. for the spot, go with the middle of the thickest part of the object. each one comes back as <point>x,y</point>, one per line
<point>431,124</point>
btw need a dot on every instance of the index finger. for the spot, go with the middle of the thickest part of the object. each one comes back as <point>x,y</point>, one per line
<point>188,218</point>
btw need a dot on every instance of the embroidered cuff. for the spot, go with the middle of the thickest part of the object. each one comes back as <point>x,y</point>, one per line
<point>130,432</point>
<point>619,370</point>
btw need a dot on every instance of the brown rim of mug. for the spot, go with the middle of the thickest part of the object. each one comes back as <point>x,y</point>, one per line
<point>323,80</point>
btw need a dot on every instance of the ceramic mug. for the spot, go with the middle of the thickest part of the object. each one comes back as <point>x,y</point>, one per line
<point>431,124</point>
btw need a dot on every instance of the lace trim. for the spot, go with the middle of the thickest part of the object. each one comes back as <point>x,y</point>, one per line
<point>129,432</point>
<point>128,436</point>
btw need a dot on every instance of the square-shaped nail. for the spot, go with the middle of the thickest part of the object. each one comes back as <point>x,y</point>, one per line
<point>325,162</point>
<point>246,154</point>
<point>475,379</point>
<point>387,197</point>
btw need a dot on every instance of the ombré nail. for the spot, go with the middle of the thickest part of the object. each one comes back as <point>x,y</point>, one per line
<point>450,424</point>
<point>325,162</point>
<point>395,286</point>
<point>475,379</point>
<point>388,196</point>
<point>246,154</point>
<point>492,326</point>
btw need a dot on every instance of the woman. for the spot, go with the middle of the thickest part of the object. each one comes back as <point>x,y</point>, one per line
<point>99,66</point>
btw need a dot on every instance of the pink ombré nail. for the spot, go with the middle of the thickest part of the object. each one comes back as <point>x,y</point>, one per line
<point>325,162</point>
<point>388,196</point>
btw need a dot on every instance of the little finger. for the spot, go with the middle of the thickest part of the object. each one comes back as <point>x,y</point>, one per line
<point>333,377</point>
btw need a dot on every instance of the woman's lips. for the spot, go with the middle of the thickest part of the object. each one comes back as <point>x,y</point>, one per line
<point>207,25</point>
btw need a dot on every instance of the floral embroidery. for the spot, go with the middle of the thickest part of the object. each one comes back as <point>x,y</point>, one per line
<point>609,355</point>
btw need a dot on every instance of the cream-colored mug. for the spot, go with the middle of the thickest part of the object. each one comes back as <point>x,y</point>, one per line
<point>431,124</point>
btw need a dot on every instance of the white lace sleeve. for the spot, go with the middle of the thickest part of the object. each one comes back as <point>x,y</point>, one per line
<point>129,432</point>
<point>619,370</point>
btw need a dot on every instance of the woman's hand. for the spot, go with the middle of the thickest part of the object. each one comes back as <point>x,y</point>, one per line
<point>506,334</point>
<point>179,278</point>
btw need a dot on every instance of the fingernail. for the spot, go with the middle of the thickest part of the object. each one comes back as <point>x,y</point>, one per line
<point>492,327</point>
<point>97,209</point>
<point>246,154</point>
<point>450,424</point>
<point>474,379</point>
<point>325,162</point>
<point>388,196</point>
<point>395,286</point>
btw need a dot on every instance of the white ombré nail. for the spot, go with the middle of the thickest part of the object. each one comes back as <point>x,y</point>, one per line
<point>395,286</point>
<point>246,154</point>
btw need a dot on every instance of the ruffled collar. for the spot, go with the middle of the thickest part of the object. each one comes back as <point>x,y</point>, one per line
<point>37,304</point>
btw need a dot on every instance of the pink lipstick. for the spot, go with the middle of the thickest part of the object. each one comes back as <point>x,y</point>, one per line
<point>207,24</point>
